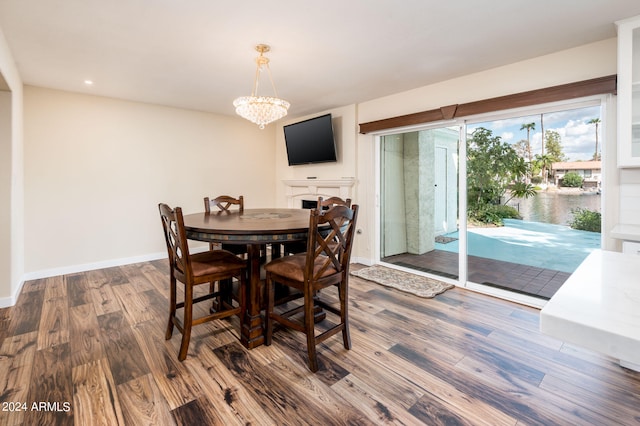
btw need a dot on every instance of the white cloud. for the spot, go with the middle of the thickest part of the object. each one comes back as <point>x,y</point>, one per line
<point>507,137</point>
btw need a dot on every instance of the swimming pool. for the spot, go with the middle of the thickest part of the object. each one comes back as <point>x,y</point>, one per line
<point>538,244</point>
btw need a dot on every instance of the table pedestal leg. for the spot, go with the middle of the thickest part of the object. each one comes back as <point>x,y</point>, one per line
<point>252,333</point>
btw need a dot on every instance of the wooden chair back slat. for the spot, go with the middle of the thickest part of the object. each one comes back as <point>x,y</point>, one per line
<point>330,238</point>
<point>223,203</point>
<point>176,239</point>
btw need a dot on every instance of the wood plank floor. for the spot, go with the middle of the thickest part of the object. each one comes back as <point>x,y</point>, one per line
<point>89,349</point>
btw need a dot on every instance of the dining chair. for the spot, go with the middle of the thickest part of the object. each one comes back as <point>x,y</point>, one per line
<point>225,204</point>
<point>325,264</point>
<point>325,204</point>
<point>209,267</point>
<point>322,204</point>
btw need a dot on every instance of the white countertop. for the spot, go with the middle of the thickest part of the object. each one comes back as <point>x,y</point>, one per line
<point>598,307</point>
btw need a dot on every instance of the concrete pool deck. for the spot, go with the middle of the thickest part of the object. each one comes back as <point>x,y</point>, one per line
<point>537,244</point>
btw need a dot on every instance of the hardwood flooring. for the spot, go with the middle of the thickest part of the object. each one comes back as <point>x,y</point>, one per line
<point>89,349</point>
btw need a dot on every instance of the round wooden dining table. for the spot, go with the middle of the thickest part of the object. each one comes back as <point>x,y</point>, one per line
<point>253,227</point>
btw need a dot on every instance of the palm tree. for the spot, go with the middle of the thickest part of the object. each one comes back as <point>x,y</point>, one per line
<point>595,121</point>
<point>521,190</point>
<point>529,127</point>
<point>545,162</point>
<point>542,132</point>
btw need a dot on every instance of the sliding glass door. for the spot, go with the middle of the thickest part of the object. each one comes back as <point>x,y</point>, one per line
<point>419,200</point>
<point>508,205</point>
<point>534,195</point>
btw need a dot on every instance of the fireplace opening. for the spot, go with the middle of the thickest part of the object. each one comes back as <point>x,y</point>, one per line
<point>312,204</point>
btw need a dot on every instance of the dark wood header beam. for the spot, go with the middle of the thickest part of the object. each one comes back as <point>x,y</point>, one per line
<point>596,86</point>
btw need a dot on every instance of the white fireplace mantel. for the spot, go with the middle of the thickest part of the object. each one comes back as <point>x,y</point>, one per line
<point>311,189</point>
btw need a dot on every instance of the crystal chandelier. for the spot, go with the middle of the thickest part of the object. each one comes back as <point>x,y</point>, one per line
<point>261,110</point>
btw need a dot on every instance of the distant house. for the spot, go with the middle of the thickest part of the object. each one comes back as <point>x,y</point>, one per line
<point>590,171</point>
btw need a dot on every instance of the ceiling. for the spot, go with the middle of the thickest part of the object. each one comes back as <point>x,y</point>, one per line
<point>199,54</point>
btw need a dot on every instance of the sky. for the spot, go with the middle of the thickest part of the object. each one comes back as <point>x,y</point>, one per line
<point>578,139</point>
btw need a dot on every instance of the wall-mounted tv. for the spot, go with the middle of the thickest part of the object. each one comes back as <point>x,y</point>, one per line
<point>310,141</point>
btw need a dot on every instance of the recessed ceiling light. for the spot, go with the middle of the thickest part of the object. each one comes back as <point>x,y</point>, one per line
<point>88,82</point>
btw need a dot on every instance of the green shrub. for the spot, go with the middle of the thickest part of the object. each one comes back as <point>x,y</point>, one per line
<point>572,180</point>
<point>507,212</point>
<point>493,214</point>
<point>585,220</point>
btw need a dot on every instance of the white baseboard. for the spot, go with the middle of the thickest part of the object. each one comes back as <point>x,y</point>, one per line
<point>92,266</point>
<point>362,260</point>
<point>6,302</point>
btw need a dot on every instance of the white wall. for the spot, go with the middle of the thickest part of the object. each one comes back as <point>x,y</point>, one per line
<point>567,66</point>
<point>345,130</point>
<point>12,192</point>
<point>5,186</point>
<point>582,63</point>
<point>96,169</point>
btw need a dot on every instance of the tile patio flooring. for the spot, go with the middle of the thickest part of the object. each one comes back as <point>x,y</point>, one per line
<point>525,279</point>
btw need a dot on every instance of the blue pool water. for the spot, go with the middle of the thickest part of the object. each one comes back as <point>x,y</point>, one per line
<point>538,244</point>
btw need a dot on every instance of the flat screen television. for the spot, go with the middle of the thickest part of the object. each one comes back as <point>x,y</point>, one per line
<point>310,141</point>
